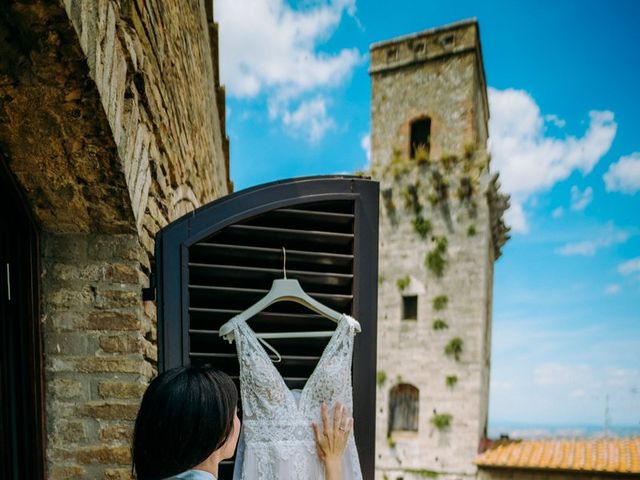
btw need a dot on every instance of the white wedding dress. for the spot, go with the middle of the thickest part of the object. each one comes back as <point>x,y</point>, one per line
<point>277,441</point>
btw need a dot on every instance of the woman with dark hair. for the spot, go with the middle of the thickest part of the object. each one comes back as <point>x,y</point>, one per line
<point>188,423</point>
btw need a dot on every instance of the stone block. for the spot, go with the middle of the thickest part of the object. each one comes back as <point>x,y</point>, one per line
<point>109,410</point>
<point>121,390</point>
<point>111,320</point>
<point>70,431</point>
<point>119,364</point>
<point>122,344</point>
<point>66,343</point>
<point>66,388</point>
<point>112,298</point>
<point>103,454</point>
<point>118,474</point>
<point>66,472</point>
<point>121,273</point>
<point>116,432</point>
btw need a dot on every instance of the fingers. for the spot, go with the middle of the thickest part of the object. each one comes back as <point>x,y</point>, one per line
<point>338,413</point>
<point>325,418</point>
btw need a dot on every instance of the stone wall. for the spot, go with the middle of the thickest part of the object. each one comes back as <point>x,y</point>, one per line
<point>112,120</point>
<point>153,65</point>
<point>445,205</point>
<point>99,351</point>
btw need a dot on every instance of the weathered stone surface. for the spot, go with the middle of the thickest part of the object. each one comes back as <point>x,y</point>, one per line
<point>66,388</point>
<point>116,432</point>
<point>111,320</point>
<point>71,431</point>
<point>67,472</point>
<point>104,454</point>
<point>117,474</point>
<point>112,120</point>
<point>112,389</point>
<point>109,411</point>
<point>437,198</point>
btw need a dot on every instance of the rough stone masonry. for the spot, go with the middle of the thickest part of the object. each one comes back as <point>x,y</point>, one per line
<point>441,231</point>
<point>112,120</point>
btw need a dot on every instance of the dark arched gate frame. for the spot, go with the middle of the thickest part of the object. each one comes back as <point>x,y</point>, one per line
<point>221,258</point>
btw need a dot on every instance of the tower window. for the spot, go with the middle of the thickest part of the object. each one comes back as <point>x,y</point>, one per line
<point>447,40</point>
<point>404,407</point>
<point>420,135</point>
<point>410,307</point>
<point>419,47</point>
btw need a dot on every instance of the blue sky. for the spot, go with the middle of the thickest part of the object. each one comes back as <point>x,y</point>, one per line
<point>565,135</point>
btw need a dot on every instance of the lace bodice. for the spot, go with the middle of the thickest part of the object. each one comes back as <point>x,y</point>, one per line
<point>277,440</point>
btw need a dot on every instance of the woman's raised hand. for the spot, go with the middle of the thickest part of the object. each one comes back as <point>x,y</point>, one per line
<point>332,440</point>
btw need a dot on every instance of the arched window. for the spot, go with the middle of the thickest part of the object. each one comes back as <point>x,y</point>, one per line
<point>404,407</point>
<point>420,136</point>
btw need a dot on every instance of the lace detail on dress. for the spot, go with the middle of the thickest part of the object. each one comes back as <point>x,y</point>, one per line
<point>277,438</point>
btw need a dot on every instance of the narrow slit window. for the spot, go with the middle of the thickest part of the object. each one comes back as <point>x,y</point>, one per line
<point>420,136</point>
<point>404,408</point>
<point>392,54</point>
<point>410,307</point>
<point>419,47</point>
<point>447,40</point>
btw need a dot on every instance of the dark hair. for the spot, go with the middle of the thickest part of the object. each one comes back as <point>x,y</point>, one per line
<point>186,414</point>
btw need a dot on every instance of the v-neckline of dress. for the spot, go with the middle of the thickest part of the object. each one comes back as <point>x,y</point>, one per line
<point>297,406</point>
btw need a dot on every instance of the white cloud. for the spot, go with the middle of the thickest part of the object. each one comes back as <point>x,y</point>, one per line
<point>557,121</point>
<point>624,175</point>
<point>268,47</point>
<point>310,118</point>
<point>530,162</point>
<point>557,212</point>
<point>612,289</point>
<point>630,266</point>
<point>610,236</point>
<point>516,218</point>
<point>580,200</point>
<point>365,143</point>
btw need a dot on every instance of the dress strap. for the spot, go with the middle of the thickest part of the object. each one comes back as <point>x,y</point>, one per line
<point>275,352</point>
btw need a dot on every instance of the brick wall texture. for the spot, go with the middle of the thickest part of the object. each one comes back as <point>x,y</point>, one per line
<point>112,120</point>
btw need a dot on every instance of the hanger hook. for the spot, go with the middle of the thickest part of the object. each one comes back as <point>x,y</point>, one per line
<point>284,262</point>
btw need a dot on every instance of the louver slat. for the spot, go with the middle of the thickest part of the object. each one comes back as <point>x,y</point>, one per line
<point>233,268</point>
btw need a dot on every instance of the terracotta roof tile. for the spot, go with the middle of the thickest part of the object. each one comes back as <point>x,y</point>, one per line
<point>619,455</point>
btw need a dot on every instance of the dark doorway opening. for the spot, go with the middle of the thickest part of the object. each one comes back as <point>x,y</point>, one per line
<point>21,414</point>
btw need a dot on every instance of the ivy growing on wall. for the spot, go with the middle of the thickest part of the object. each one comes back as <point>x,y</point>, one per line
<point>435,260</point>
<point>454,348</point>
<point>387,200</point>
<point>422,226</point>
<point>440,302</point>
<point>381,377</point>
<point>441,421</point>
<point>411,199</point>
<point>403,282</point>
<point>451,380</point>
<point>440,324</point>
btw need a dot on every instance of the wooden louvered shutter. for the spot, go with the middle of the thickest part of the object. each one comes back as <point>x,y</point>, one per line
<point>219,260</point>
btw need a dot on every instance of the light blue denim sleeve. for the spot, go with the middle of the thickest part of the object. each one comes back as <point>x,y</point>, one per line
<point>237,469</point>
<point>193,475</point>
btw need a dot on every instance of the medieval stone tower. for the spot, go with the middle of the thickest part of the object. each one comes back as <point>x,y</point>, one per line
<point>441,231</point>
